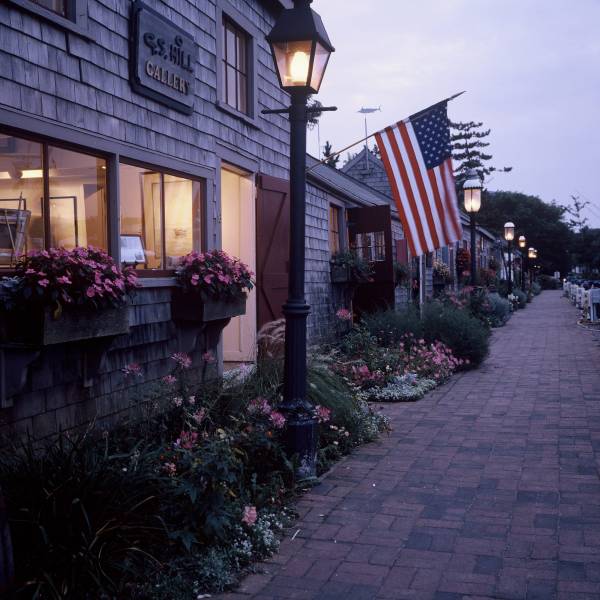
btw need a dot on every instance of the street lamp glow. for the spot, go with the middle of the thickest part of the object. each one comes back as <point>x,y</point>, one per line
<point>531,253</point>
<point>472,192</point>
<point>522,241</point>
<point>509,231</point>
<point>301,48</point>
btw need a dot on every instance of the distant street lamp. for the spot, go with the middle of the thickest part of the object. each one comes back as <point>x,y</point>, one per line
<point>301,51</point>
<point>509,236</point>
<point>522,246</point>
<point>531,255</point>
<point>472,199</point>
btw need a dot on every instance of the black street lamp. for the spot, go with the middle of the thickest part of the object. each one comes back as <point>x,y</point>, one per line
<point>301,51</point>
<point>472,199</point>
<point>522,246</point>
<point>531,255</point>
<point>509,236</point>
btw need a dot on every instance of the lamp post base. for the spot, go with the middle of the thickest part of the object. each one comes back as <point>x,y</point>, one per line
<point>301,438</point>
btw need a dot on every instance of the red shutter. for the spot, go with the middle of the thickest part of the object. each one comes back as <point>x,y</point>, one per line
<point>272,247</point>
<point>402,252</point>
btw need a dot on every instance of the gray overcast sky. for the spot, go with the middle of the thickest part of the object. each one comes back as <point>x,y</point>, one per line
<point>531,69</point>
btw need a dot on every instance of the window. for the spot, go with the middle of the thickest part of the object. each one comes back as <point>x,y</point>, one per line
<point>49,197</point>
<point>334,229</point>
<point>57,6</point>
<point>160,217</point>
<point>67,14</point>
<point>234,81</point>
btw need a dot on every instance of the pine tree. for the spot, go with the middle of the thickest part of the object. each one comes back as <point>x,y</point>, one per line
<point>468,151</point>
<point>332,161</point>
<point>577,221</point>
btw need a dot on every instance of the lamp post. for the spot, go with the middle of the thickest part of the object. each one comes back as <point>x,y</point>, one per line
<point>301,51</point>
<point>522,246</point>
<point>509,236</point>
<point>472,199</point>
<point>531,254</point>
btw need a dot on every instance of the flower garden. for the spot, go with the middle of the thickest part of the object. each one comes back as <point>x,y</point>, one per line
<point>195,486</point>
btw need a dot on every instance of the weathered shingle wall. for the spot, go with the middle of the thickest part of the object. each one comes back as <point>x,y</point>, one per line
<point>84,83</point>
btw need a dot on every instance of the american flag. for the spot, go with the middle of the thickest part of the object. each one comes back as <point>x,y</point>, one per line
<point>418,162</point>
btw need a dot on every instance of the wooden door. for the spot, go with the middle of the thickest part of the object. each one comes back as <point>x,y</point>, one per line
<point>370,235</point>
<point>272,247</point>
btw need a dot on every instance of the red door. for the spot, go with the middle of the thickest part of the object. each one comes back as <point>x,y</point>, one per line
<point>272,246</point>
<point>370,235</point>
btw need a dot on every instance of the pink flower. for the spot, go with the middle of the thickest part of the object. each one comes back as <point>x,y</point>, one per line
<point>177,401</point>
<point>170,468</point>
<point>43,282</point>
<point>182,360</point>
<point>199,416</point>
<point>208,279</point>
<point>132,369</point>
<point>169,379</point>
<point>344,314</point>
<point>192,400</point>
<point>249,517</point>
<point>322,413</point>
<point>277,419</point>
<point>90,292</point>
<point>186,440</point>
<point>259,405</point>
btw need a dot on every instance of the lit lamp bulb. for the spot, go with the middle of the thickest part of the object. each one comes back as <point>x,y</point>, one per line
<point>509,231</point>
<point>299,68</point>
<point>522,241</point>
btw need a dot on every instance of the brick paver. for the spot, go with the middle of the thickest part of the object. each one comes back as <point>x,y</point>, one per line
<point>487,488</point>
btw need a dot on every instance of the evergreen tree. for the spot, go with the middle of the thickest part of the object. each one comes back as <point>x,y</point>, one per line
<point>332,161</point>
<point>468,151</point>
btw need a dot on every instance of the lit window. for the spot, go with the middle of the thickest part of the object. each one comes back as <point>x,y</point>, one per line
<point>60,202</point>
<point>77,199</point>
<point>334,229</point>
<point>235,67</point>
<point>160,217</point>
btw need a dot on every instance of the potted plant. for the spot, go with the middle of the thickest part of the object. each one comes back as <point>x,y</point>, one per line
<point>441,272</point>
<point>57,296</point>
<point>348,267</point>
<point>212,286</point>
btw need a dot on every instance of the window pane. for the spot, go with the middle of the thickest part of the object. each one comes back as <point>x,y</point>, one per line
<point>77,184</point>
<point>140,199</point>
<point>57,6</point>
<point>182,218</point>
<point>21,192</point>
<point>224,80</point>
<point>230,45</point>
<point>231,87</point>
<point>242,43</point>
<point>242,85</point>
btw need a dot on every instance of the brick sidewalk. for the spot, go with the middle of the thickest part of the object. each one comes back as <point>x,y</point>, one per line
<point>487,488</point>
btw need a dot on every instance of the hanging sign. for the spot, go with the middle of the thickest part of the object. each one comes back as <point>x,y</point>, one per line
<point>163,59</point>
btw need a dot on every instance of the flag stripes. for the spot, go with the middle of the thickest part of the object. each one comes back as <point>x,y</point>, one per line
<point>425,193</point>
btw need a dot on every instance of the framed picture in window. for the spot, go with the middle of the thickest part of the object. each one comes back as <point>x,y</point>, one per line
<point>132,250</point>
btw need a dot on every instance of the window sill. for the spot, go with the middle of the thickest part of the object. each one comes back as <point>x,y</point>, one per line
<point>251,121</point>
<point>53,18</point>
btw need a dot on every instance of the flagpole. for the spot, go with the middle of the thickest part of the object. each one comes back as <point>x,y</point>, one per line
<point>321,162</point>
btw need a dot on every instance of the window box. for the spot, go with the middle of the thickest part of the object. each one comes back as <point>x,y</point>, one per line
<point>193,308</point>
<point>42,329</point>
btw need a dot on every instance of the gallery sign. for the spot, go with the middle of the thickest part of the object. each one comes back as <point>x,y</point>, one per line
<point>162,59</point>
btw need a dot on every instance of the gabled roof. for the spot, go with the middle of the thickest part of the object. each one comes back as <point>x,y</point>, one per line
<point>339,183</point>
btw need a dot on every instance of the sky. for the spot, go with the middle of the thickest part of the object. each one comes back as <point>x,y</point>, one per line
<point>530,68</point>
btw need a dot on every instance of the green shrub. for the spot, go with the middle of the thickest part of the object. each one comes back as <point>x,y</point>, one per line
<point>521,297</point>
<point>389,326</point>
<point>465,335</point>
<point>547,282</point>
<point>500,309</point>
<point>81,518</point>
<point>536,288</point>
